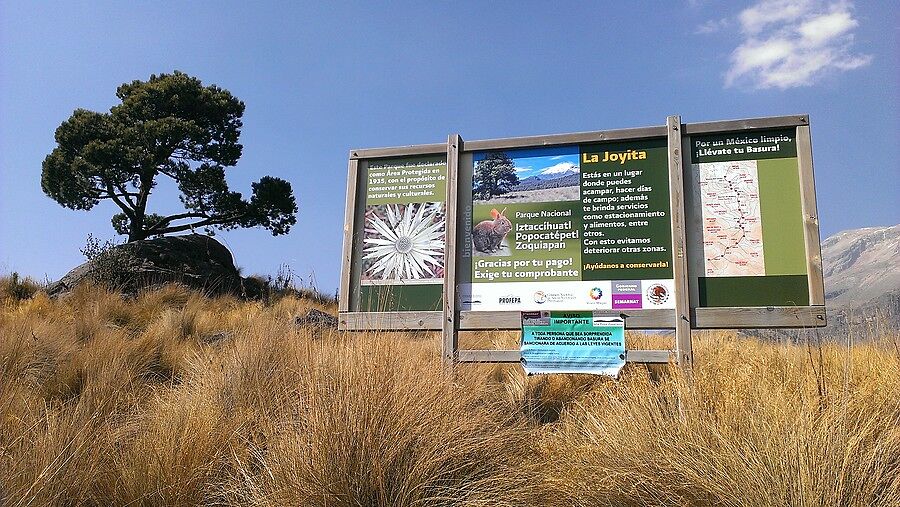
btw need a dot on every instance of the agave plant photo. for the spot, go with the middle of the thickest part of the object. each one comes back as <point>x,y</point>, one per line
<point>404,242</point>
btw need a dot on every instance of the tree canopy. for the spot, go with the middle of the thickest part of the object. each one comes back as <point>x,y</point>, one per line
<point>170,125</point>
<point>494,175</point>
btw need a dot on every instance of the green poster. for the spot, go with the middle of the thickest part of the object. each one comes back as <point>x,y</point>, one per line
<point>569,228</point>
<point>754,250</point>
<point>627,227</point>
<point>400,240</point>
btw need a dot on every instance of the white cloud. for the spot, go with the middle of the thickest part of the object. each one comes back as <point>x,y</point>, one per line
<point>522,169</point>
<point>562,167</point>
<point>820,30</point>
<point>790,43</point>
<point>713,26</point>
<point>764,13</point>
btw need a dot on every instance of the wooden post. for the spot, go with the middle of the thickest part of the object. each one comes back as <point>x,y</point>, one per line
<point>450,327</point>
<point>810,218</point>
<point>683,347</point>
<point>347,252</point>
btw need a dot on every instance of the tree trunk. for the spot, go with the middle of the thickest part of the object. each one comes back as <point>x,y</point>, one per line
<point>136,230</point>
<point>136,227</point>
<point>136,235</point>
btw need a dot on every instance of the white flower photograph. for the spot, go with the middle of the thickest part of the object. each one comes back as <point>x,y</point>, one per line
<point>403,242</point>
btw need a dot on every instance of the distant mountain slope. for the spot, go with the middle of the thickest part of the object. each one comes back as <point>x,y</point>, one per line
<point>861,265</point>
<point>568,179</point>
<point>862,288</point>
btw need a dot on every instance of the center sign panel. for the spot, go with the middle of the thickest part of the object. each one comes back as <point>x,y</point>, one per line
<point>567,228</point>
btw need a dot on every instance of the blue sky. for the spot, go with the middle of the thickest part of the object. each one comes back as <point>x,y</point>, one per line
<point>321,78</point>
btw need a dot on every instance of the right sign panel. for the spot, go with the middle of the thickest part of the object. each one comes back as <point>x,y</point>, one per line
<point>745,232</point>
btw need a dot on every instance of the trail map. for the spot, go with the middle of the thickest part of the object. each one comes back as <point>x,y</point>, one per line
<point>732,227</point>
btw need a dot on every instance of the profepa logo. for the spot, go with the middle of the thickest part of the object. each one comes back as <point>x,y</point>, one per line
<point>510,300</point>
<point>596,293</point>
<point>540,297</point>
<point>657,294</point>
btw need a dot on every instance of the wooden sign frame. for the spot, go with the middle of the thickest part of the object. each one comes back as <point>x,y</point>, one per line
<point>450,319</point>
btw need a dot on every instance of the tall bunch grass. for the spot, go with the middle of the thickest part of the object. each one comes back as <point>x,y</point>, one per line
<point>756,424</point>
<point>176,399</point>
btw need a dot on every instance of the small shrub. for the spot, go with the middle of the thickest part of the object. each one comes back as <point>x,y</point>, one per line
<point>112,264</point>
<point>286,283</point>
<point>17,288</point>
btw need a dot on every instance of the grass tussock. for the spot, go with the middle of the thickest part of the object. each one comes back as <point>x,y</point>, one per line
<point>16,288</point>
<point>753,426</point>
<point>176,399</point>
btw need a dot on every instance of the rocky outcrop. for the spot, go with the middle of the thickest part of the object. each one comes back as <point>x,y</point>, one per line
<point>316,318</point>
<point>194,260</point>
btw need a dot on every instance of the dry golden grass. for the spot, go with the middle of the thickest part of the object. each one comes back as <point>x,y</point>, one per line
<point>175,399</point>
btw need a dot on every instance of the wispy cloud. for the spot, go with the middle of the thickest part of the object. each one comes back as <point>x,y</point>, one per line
<point>713,26</point>
<point>791,43</point>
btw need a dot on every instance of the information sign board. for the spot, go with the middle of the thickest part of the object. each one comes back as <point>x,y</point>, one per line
<point>582,227</point>
<point>747,240</point>
<point>682,226</point>
<point>572,342</point>
<point>400,255</point>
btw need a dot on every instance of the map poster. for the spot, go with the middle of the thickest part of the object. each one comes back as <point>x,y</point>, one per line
<point>572,342</point>
<point>401,242</point>
<point>570,228</point>
<point>747,202</point>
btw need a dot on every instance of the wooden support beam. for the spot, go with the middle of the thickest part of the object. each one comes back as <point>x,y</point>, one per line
<point>398,151</point>
<point>515,356</point>
<point>746,124</point>
<point>810,218</point>
<point>561,139</point>
<point>450,324</point>
<point>683,348</point>
<point>347,252</point>
<point>758,317</point>
<point>387,321</point>
<point>646,318</point>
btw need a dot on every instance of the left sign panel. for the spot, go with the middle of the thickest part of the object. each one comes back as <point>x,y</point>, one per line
<point>399,242</point>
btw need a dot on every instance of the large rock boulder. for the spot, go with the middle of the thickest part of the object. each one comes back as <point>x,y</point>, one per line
<point>194,260</point>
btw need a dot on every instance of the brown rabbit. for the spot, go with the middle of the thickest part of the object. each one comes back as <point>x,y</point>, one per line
<point>488,234</point>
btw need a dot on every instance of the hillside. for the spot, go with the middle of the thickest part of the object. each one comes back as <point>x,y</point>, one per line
<point>173,398</point>
<point>861,264</point>
<point>568,179</point>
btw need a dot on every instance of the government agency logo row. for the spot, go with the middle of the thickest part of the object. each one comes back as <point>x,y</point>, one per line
<point>619,295</point>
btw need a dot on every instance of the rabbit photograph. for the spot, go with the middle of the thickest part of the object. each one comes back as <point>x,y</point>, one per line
<point>489,236</point>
